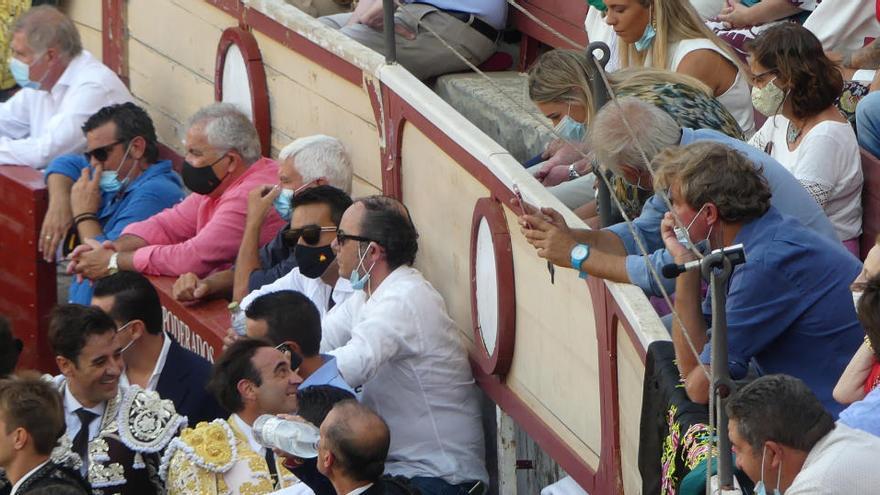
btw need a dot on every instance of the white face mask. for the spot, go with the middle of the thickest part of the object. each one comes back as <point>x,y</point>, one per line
<point>683,234</point>
<point>769,99</point>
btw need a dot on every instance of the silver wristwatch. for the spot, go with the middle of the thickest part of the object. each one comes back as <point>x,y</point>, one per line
<point>572,172</point>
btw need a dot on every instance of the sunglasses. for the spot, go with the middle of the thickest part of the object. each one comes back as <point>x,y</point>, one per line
<point>101,153</point>
<point>310,233</point>
<point>295,359</point>
<point>342,238</point>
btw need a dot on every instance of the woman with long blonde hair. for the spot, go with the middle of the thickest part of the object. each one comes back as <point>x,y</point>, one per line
<point>669,34</point>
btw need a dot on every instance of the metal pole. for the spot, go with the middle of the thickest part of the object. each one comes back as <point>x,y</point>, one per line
<point>390,41</point>
<point>608,214</point>
<point>718,271</point>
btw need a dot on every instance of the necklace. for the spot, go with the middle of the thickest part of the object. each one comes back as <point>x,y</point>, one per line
<point>793,133</point>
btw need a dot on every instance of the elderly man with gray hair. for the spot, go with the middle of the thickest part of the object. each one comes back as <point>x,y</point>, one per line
<point>620,134</point>
<point>306,162</point>
<point>202,233</point>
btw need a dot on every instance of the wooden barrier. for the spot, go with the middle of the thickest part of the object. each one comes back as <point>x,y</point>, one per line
<point>29,290</point>
<point>564,16</point>
<point>199,327</point>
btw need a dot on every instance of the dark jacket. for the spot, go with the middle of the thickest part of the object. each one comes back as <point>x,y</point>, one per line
<point>183,381</point>
<point>51,478</point>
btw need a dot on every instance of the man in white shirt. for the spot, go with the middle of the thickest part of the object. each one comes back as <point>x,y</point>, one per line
<point>787,442</point>
<point>31,420</point>
<point>153,359</point>
<point>118,450</point>
<point>395,338</point>
<point>62,85</point>
<point>250,379</point>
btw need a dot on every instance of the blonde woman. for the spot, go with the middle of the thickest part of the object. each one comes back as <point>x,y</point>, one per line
<point>669,34</point>
<point>560,88</point>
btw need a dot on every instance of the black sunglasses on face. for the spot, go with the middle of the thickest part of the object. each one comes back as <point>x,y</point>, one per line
<point>101,153</point>
<point>310,233</point>
<point>295,359</point>
<point>342,237</point>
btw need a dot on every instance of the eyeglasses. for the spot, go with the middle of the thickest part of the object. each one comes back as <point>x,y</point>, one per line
<point>101,153</point>
<point>310,233</point>
<point>760,77</point>
<point>342,237</point>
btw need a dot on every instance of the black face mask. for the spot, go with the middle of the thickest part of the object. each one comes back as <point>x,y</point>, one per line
<point>201,180</point>
<point>313,261</point>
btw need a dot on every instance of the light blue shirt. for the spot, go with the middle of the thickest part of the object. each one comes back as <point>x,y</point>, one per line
<point>865,414</point>
<point>327,374</point>
<point>493,12</point>
<point>789,197</point>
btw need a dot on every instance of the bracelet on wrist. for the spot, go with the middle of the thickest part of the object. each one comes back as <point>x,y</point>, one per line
<point>84,217</point>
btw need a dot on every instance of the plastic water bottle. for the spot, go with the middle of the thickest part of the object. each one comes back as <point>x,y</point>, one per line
<point>293,437</point>
<point>237,316</point>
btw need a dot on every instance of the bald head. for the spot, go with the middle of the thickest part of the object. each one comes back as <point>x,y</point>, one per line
<point>358,438</point>
<point>46,27</point>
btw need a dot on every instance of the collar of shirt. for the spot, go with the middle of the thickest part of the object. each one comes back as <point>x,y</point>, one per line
<point>325,375</point>
<point>360,489</point>
<point>249,434</point>
<point>26,476</point>
<point>70,407</point>
<point>254,168</point>
<point>109,200</point>
<point>73,68</point>
<point>157,371</point>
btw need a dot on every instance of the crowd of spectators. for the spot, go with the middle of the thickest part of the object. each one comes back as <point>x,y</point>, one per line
<point>342,332</point>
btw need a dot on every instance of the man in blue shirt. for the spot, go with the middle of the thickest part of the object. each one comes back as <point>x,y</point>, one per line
<point>125,183</point>
<point>613,253</point>
<point>290,320</point>
<point>471,27</point>
<point>789,308</point>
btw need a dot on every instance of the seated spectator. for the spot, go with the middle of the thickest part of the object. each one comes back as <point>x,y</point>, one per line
<point>203,232</point>
<point>613,252</point>
<point>739,22</point>
<point>290,321</point>
<point>353,449</point>
<point>788,306</point>
<point>470,27</point>
<point>560,87</point>
<point>306,162</point>
<point>153,359</point>
<point>13,10</point>
<point>10,348</point>
<point>250,379</point>
<point>317,8</point>
<point>316,216</point>
<point>858,384</point>
<point>62,85</point>
<point>786,442</point>
<point>314,403</point>
<point>796,85</point>
<point>32,420</point>
<point>126,183</point>
<point>395,338</point>
<point>98,412</point>
<point>669,34</point>
<point>868,122</point>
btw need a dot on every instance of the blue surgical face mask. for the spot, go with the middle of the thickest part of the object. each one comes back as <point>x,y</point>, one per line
<point>358,281</point>
<point>647,38</point>
<point>760,489</point>
<point>570,129</point>
<point>282,204</point>
<point>21,73</point>
<point>110,182</point>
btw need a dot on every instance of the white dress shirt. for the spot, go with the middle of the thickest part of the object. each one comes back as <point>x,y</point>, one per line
<point>157,371</point>
<point>26,476</point>
<point>248,432</point>
<point>405,350</point>
<point>314,288</point>
<point>37,126</point>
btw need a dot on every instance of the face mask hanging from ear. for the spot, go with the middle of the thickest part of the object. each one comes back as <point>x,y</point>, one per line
<point>760,489</point>
<point>358,281</point>
<point>648,36</point>
<point>110,182</point>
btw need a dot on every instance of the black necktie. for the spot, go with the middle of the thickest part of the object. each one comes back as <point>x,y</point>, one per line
<point>81,440</point>
<point>331,302</point>
<point>273,470</point>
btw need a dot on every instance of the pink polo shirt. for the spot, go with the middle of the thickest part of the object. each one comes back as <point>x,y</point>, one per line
<point>201,234</point>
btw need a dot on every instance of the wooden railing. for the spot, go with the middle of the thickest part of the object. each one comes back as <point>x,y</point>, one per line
<point>197,326</point>
<point>563,16</point>
<point>28,283</point>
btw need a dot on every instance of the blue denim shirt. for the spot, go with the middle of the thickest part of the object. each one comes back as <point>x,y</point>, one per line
<point>789,196</point>
<point>865,414</point>
<point>328,374</point>
<point>789,306</point>
<point>157,188</point>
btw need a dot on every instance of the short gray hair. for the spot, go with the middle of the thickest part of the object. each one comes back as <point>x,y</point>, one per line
<point>226,128</point>
<point>46,27</point>
<point>320,156</point>
<point>614,145</point>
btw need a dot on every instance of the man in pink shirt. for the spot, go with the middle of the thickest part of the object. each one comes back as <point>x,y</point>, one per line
<point>203,232</point>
